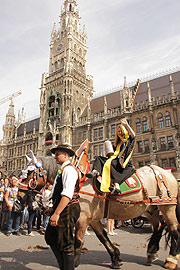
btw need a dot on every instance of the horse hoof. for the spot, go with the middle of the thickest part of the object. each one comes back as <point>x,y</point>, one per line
<point>171,262</point>
<point>116,265</point>
<point>170,265</point>
<point>152,257</point>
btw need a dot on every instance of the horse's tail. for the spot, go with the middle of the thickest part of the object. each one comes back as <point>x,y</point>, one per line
<point>178,206</point>
<point>167,233</point>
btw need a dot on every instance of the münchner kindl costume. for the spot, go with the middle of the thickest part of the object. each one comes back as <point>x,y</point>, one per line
<point>61,237</point>
<point>118,167</point>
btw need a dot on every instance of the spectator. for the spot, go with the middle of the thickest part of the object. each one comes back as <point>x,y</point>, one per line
<point>110,227</point>
<point>25,217</point>
<point>46,203</point>
<point>1,198</point>
<point>33,209</point>
<point>13,217</point>
<point>37,219</point>
<point>4,220</point>
<point>119,223</point>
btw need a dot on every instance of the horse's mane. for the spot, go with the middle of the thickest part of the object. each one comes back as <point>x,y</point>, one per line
<point>49,164</point>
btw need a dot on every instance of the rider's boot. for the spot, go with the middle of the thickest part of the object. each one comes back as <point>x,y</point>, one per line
<point>68,261</point>
<point>115,190</point>
<point>59,256</point>
<point>92,174</point>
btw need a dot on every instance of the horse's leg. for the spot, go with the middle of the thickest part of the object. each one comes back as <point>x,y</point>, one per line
<point>102,236</point>
<point>169,213</point>
<point>79,238</point>
<point>152,214</point>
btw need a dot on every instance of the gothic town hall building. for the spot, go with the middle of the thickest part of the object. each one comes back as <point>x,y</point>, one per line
<point>69,113</point>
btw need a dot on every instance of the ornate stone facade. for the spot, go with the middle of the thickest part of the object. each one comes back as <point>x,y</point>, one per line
<point>69,113</point>
<point>66,89</point>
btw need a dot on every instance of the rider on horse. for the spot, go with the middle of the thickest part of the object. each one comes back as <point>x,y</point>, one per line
<point>117,167</point>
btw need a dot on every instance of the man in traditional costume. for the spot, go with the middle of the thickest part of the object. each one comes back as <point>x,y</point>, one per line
<point>65,211</point>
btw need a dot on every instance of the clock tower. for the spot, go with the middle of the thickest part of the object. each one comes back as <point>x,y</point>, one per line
<point>66,89</point>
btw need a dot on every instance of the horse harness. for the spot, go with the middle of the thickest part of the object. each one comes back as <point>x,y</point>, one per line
<point>161,181</point>
<point>153,200</point>
<point>33,182</point>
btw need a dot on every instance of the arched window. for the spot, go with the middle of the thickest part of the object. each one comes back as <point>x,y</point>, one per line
<point>77,94</point>
<point>57,138</point>
<point>80,67</point>
<point>58,102</point>
<point>76,24</point>
<point>56,65</point>
<point>70,7</point>
<point>168,119</point>
<point>62,62</point>
<point>51,101</point>
<point>78,112</point>
<point>138,125</point>
<point>64,23</point>
<point>75,47</point>
<point>145,124</point>
<point>75,64</point>
<point>160,120</point>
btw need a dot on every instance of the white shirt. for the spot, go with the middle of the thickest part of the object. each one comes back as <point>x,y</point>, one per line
<point>69,179</point>
<point>46,197</point>
<point>1,194</point>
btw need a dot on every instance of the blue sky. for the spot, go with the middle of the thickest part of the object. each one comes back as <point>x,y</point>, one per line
<point>132,38</point>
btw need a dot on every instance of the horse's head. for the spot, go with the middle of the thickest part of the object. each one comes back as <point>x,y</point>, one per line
<point>34,177</point>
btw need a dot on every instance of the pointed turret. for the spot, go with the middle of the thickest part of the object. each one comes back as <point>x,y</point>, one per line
<point>9,126</point>
<point>149,94</point>
<point>11,108</point>
<point>105,106</point>
<point>125,82</point>
<point>89,111</point>
<point>172,87</point>
<point>54,33</point>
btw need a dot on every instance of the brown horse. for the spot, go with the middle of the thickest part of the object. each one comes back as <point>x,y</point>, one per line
<point>159,194</point>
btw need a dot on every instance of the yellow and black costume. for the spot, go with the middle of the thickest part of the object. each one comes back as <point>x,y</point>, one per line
<point>118,167</point>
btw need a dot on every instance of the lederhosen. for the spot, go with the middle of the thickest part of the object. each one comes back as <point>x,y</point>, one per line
<point>63,234</point>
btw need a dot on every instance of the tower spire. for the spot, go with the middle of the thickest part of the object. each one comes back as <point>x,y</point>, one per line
<point>67,87</point>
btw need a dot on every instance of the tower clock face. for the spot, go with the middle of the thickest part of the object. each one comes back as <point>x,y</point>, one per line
<point>59,47</point>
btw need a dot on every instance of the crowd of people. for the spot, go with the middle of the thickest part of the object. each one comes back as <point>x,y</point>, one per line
<point>31,216</point>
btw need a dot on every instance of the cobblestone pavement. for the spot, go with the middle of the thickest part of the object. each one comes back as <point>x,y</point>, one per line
<point>25,252</point>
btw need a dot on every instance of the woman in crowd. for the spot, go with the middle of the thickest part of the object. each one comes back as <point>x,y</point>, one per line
<point>10,196</point>
<point>1,200</point>
<point>110,227</point>
<point>45,203</point>
<point>4,220</point>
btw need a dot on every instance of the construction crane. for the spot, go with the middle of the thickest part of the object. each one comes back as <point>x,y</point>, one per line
<point>10,97</point>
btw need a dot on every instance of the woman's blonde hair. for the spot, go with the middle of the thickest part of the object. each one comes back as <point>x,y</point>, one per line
<point>125,135</point>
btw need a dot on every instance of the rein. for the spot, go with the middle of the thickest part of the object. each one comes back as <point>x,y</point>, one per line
<point>25,187</point>
<point>33,182</point>
<point>115,200</point>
